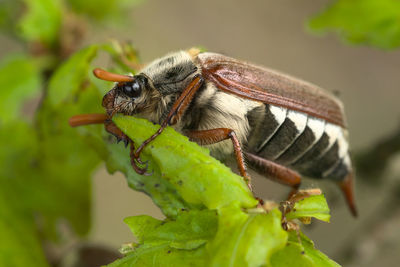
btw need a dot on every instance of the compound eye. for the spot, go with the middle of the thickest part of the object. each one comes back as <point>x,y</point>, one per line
<point>132,89</point>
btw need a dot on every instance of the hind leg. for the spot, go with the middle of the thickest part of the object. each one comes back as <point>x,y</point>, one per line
<point>275,172</point>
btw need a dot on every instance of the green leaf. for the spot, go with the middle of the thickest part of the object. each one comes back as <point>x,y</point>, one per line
<point>369,22</point>
<point>173,158</point>
<point>103,9</point>
<point>189,230</point>
<point>20,244</point>
<point>142,225</point>
<point>41,22</point>
<point>66,161</point>
<point>161,191</point>
<point>18,148</point>
<point>178,242</point>
<point>236,239</point>
<point>71,76</point>
<point>246,239</point>
<point>75,75</point>
<point>300,254</point>
<point>9,10</point>
<point>163,256</point>
<point>312,206</point>
<point>19,81</point>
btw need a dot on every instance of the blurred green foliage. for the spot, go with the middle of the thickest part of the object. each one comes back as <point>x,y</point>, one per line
<point>15,91</point>
<point>42,21</point>
<point>45,165</point>
<point>369,22</point>
<point>116,9</point>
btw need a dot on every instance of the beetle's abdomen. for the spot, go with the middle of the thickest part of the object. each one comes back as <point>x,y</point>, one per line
<point>309,145</point>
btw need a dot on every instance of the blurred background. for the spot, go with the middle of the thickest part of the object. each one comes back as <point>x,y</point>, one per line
<point>353,60</point>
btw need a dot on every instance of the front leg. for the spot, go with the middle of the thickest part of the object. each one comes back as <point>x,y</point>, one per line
<point>176,112</point>
<point>208,137</point>
<point>111,128</point>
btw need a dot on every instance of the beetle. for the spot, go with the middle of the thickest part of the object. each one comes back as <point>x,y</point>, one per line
<point>279,125</point>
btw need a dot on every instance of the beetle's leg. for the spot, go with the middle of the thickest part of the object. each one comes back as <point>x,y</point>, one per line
<point>110,127</point>
<point>137,169</point>
<point>208,137</point>
<point>285,207</point>
<point>176,111</point>
<point>347,188</point>
<point>275,172</point>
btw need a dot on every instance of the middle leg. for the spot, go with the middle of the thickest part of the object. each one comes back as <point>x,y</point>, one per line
<point>208,137</point>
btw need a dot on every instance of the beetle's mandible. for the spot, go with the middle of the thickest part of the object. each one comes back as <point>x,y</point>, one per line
<point>281,126</point>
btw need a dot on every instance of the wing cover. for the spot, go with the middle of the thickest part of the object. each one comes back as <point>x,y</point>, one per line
<point>269,86</point>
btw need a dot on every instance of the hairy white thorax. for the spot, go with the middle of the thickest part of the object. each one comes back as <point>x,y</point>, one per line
<point>159,66</point>
<point>222,110</point>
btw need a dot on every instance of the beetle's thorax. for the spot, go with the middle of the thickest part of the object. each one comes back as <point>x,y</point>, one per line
<point>171,73</point>
<point>168,76</point>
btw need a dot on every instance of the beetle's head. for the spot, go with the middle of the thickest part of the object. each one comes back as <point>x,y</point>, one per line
<point>131,95</point>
